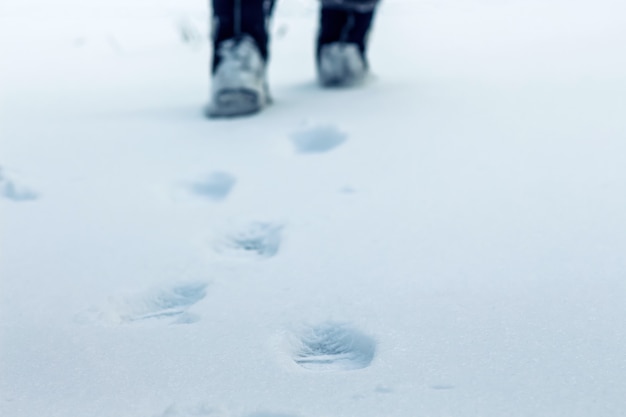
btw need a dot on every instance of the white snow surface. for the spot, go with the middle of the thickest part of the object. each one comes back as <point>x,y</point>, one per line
<point>448,240</point>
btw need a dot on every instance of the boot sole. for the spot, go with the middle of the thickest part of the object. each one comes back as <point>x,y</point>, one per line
<point>235,102</point>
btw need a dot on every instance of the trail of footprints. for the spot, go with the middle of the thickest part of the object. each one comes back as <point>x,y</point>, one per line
<point>327,346</point>
<point>321,347</point>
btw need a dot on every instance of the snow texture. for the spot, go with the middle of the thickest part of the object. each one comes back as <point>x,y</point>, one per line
<point>446,240</point>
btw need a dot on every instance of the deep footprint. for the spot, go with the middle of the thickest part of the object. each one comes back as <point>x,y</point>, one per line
<point>255,240</point>
<point>164,303</point>
<point>333,346</point>
<point>318,139</point>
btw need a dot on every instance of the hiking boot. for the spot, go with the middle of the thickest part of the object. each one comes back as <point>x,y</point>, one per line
<point>342,43</point>
<point>239,84</point>
<point>340,64</point>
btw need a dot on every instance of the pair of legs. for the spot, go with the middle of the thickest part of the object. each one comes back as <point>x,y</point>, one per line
<point>241,50</point>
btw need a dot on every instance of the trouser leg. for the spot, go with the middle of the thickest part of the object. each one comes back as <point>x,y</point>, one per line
<point>346,21</point>
<point>234,19</point>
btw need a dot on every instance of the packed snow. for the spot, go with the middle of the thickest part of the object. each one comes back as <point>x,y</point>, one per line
<point>447,240</point>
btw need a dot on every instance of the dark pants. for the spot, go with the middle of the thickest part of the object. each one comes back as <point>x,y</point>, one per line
<point>340,21</point>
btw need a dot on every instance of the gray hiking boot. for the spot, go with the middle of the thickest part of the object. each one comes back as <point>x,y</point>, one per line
<point>239,85</point>
<point>341,64</point>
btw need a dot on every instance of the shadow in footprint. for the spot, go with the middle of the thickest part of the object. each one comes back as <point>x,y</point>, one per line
<point>332,346</point>
<point>259,240</point>
<point>11,191</point>
<point>216,186</point>
<point>318,139</point>
<point>163,303</point>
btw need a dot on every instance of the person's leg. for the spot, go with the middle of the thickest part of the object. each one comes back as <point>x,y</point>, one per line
<point>341,50</point>
<point>240,54</point>
<point>331,26</point>
<point>235,19</point>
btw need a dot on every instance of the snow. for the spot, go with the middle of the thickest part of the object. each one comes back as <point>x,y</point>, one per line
<point>447,240</point>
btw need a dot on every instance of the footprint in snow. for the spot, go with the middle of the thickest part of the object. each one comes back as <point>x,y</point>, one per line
<point>255,240</point>
<point>14,192</point>
<point>332,346</point>
<point>168,303</point>
<point>216,186</point>
<point>318,139</point>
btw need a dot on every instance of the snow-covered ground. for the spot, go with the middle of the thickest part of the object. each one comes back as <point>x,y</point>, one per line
<point>447,241</point>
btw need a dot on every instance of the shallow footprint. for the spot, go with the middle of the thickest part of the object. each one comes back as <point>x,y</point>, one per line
<point>318,139</point>
<point>216,186</point>
<point>163,303</point>
<point>255,240</point>
<point>14,192</point>
<point>332,346</point>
